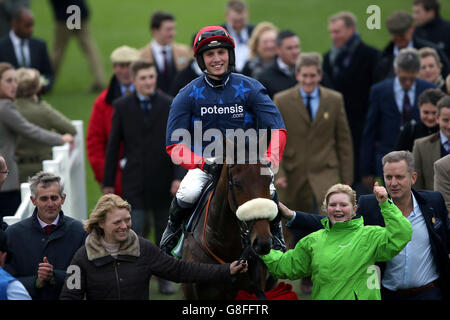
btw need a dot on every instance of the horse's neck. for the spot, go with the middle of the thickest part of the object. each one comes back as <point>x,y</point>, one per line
<point>221,218</point>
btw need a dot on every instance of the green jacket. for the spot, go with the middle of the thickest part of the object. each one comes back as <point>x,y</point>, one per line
<point>340,258</point>
<point>29,153</point>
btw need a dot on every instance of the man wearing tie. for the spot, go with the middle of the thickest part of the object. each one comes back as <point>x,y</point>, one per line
<point>316,121</point>
<point>22,50</point>
<point>168,57</point>
<point>42,246</point>
<point>392,104</point>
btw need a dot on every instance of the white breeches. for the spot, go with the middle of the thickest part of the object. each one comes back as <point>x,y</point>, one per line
<point>193,183</point>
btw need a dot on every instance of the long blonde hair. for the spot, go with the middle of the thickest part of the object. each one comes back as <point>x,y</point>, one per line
<point>105,204</point>
<point>256,34</point>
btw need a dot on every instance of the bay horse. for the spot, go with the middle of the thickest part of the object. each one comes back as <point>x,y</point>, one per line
<point>234,224</point>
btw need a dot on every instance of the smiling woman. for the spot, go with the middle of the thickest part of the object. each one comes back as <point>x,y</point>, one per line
<point>345,247</point>
<point>340,203</point>
<point>117,264</point>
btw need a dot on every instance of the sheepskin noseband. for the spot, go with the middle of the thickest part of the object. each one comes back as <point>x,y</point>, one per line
<point>259,208</point>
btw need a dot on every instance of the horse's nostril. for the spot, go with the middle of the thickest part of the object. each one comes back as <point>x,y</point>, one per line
<point>262,247</point>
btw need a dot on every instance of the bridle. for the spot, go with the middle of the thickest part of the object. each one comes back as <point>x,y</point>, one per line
<point>245,232</point>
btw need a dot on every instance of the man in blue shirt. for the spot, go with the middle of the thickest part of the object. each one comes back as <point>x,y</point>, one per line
<point>421,271</point>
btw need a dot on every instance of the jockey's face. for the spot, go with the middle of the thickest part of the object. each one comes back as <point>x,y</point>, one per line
<point>216,62</point>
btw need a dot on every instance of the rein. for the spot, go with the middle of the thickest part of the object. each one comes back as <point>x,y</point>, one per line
<point>204,232</point>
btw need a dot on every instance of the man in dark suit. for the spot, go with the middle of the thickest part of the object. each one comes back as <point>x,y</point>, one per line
<point>237,25</point>
<point>421,271</point>
<point>42,246</point>
<point>350,65</point>
<point>22,50</point>
<point>401,28</point>
<point>280,75</point>
<point>148,175</point>
<point>430,25</point>
<point>392,103</point>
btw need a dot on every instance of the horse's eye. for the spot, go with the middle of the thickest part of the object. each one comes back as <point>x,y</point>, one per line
<point>237,184</point>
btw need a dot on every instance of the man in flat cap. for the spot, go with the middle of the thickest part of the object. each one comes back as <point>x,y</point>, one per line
<point>401,28</point>
<point>99,127</point>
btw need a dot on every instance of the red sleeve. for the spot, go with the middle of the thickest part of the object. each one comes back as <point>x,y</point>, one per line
<point>275,150</point>
<point>97,137</point>
<point>181,154</point>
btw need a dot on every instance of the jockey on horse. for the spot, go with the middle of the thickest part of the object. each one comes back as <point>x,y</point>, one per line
<point>221,100</point>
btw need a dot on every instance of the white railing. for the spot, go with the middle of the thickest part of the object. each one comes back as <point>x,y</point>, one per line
<point>68,163</point>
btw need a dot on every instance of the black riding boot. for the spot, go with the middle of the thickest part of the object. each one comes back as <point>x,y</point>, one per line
<point>276,229</point>
<point>172,234</point>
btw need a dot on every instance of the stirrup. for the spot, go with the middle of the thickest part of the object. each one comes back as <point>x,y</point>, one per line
<point>170,238</point>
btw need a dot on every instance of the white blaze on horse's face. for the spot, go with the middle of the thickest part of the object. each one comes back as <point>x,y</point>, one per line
<point>259,208</point>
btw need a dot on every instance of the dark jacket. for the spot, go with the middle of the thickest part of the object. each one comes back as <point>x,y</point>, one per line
<point>182,78</point>
<point>28,244</point>
<point>104,277</point>
<point>385,67</point>
<point>434,211</point>
<point>39,57</point>
<point>436,31</point>
<point>410,132</point>
<point>383,123</point>
<point>149,171</point>
<point>354,81</point>
<point>60,9</point>
<point>276,80</point>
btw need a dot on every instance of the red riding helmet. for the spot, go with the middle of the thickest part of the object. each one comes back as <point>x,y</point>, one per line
<point>213,37</point>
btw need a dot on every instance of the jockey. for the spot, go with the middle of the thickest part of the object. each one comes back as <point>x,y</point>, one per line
<point>218,99</point>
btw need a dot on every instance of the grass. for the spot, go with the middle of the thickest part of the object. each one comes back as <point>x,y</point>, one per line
<point>114,23</point>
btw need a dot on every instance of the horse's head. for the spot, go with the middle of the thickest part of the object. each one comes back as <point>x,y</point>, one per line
<point>249,199</point>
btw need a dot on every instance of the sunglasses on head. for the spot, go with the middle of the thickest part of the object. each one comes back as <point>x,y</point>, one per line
<point>211,33</point>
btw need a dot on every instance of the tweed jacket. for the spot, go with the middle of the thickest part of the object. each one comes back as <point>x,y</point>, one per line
<point>181,54</point>
<point>319,152</point>
<point>442,179</point>
<point>426,151</point>
<point>29,153</point>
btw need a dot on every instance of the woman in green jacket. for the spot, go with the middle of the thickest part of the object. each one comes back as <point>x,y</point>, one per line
<point>30,154</point>
<point>341,257</point>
